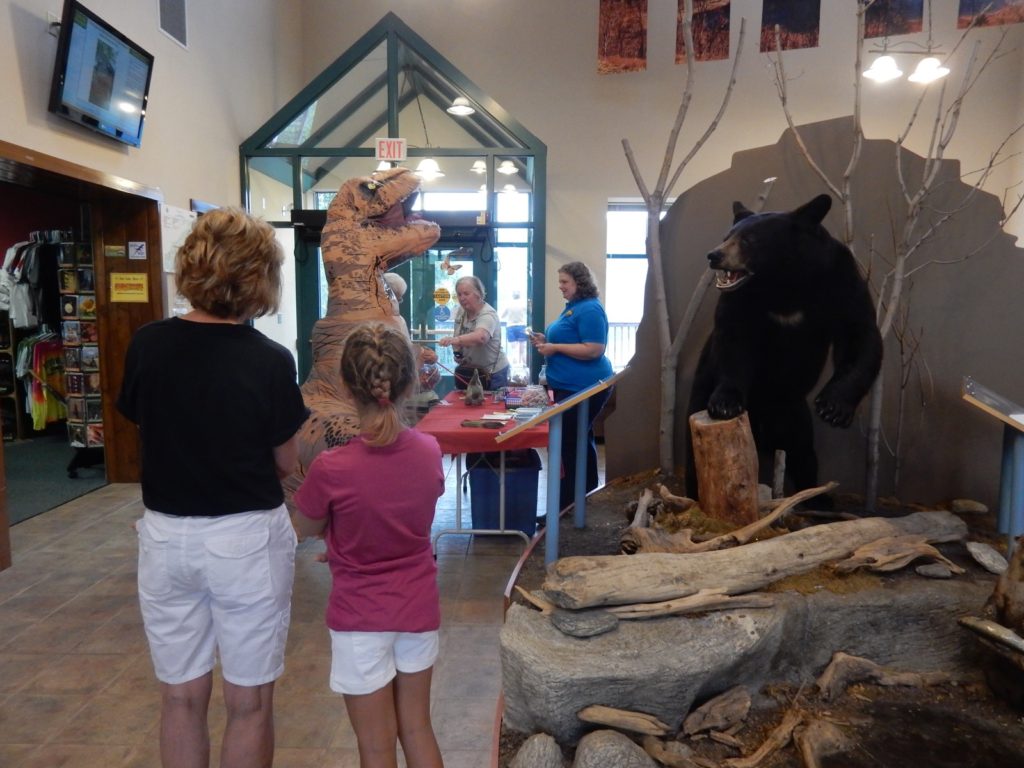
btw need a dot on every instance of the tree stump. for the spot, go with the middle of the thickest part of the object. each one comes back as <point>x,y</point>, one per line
<point>726,461</point>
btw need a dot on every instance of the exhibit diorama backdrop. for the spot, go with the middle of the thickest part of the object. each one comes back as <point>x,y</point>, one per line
<point>966,314</point>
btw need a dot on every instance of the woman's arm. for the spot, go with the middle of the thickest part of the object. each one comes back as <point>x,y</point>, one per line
<point>286,456</point>
<point>476,338</point>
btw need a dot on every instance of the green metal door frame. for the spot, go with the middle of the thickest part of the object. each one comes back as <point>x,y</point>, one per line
<point>495,130</point>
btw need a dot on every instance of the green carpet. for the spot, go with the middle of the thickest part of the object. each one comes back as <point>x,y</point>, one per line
<point>37,478</point>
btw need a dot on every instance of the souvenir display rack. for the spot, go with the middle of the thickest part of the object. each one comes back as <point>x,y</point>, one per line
<point>11,408</point>
<point>80,335</point>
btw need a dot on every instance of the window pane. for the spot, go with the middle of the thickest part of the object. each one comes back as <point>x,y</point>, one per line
<point>624,285</point>
<point>627,232</point>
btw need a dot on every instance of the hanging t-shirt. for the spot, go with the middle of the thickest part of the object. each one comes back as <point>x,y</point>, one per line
<point>46,393</point>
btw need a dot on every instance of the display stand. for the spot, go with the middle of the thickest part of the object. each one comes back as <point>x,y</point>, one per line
<point>80,336</point>
<point>553,418</point>
<point>1010,519</point>
<point>12,408</point>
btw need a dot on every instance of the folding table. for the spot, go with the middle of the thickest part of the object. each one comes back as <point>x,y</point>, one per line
<point>444,421</point>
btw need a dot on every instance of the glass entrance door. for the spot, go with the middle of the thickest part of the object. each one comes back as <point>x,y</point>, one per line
<point>431,304</point>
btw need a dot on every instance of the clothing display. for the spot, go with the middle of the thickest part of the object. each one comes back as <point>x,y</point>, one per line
<point>35,394</point>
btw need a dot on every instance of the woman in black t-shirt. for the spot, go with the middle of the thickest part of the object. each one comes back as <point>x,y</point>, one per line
<point>218,407</point>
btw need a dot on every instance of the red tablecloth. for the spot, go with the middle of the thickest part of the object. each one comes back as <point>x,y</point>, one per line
<point>445,423</point>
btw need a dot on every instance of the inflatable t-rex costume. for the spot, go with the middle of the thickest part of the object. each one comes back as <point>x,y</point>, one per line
<point>368,231</point>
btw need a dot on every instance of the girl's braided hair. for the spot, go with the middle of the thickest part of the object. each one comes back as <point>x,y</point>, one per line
<point>379,369</point>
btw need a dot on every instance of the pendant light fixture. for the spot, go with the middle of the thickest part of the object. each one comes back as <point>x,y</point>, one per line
<point>460,107</point>
<point>507,167</point>
<point>928,69</point>
<point>478,166</point>
<point>428,169</point>
<point>883,69</point>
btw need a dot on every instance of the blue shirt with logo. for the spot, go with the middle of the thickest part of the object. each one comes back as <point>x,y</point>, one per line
<point>582,321</point>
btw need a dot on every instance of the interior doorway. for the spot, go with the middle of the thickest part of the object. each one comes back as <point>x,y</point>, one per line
<point>83,223</point>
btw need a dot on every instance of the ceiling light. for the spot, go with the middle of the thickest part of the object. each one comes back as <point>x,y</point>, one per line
<point>883,69</point>
<point>478,166</point>
<point>383,165</point>
<point>428,169</point>
<point>460,106</point>
<point>928,70</point>
<point>509,189</point>
<point>507,167</point>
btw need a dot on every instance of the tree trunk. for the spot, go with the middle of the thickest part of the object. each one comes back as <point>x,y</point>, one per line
<point>582,582</point>
<point>726,460</point>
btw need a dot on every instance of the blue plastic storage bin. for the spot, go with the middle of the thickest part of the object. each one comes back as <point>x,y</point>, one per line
<point>522,470</point>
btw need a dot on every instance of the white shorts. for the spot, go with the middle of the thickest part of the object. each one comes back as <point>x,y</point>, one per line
<point>217,584</point>
<point>364,662</point>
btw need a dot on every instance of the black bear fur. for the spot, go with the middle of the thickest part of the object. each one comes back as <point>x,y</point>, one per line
<point>789,293</point>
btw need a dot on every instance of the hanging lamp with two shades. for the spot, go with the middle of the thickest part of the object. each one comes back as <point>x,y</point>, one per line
<point>929,69</point>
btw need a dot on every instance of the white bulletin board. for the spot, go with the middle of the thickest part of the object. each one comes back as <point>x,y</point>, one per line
<point>175,224</point>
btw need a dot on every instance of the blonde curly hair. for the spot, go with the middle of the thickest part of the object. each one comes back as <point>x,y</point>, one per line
<point>230,265</point>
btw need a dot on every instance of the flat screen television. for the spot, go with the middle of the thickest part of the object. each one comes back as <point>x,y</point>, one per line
<point>101,78</point>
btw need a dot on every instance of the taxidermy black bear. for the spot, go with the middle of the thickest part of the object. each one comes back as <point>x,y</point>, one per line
<point>789,294</point>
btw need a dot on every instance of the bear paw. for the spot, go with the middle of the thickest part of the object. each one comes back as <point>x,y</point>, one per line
<point>725,404</point>
<point>833,410</point>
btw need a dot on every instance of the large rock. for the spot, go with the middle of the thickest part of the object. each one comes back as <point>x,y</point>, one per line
<point>662,666</point>
<point>608,749</point>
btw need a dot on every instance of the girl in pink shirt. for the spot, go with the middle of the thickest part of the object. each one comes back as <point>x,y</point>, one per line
<point>373,500</point>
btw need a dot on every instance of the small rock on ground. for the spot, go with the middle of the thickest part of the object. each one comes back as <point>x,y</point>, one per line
<point>604,749</point>
<point>987,557</point>
<point>538,751</point>
<point>584,623</point>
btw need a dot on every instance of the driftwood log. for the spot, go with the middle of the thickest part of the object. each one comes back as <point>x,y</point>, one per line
<point>623,719</point>
<point>1007,601</point>
<point>893,553</point>
<point>701,602</point>
<point>669,752</point>
<point>726,461</point>
<point>817,740</point>
<point>582,582</point>
<point>776,740</point>
<point>844,670</point>
<point>639,539</point>
<point>720,713</point>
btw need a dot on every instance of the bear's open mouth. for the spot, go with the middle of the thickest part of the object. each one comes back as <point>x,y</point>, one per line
<point>730,279</point>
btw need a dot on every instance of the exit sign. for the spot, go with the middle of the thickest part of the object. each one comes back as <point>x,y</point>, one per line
<point>390,149</point>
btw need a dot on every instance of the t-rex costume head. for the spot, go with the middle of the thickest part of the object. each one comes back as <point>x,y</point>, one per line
<point>369,230</point>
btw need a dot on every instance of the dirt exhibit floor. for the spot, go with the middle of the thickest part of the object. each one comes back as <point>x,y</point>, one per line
<point>956,724</point>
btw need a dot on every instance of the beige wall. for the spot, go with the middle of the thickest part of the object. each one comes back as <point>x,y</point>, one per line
<point>537,59</point>
<point>239,68</point>
<point>534,57</point>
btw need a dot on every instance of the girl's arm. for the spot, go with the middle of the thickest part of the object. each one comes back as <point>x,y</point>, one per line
<point>307,527</point>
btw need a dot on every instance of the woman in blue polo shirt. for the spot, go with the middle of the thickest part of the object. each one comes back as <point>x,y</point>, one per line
<point>573,347</point>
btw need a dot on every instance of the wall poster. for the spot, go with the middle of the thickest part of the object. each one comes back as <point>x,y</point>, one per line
<point>799,23</point>
<point>622,36</point>
<point>710,28</point>
<point>999,12</point>
<point>885,18</point>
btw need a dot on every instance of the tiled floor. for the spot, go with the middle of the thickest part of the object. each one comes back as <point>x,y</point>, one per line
<point>76,685</point>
